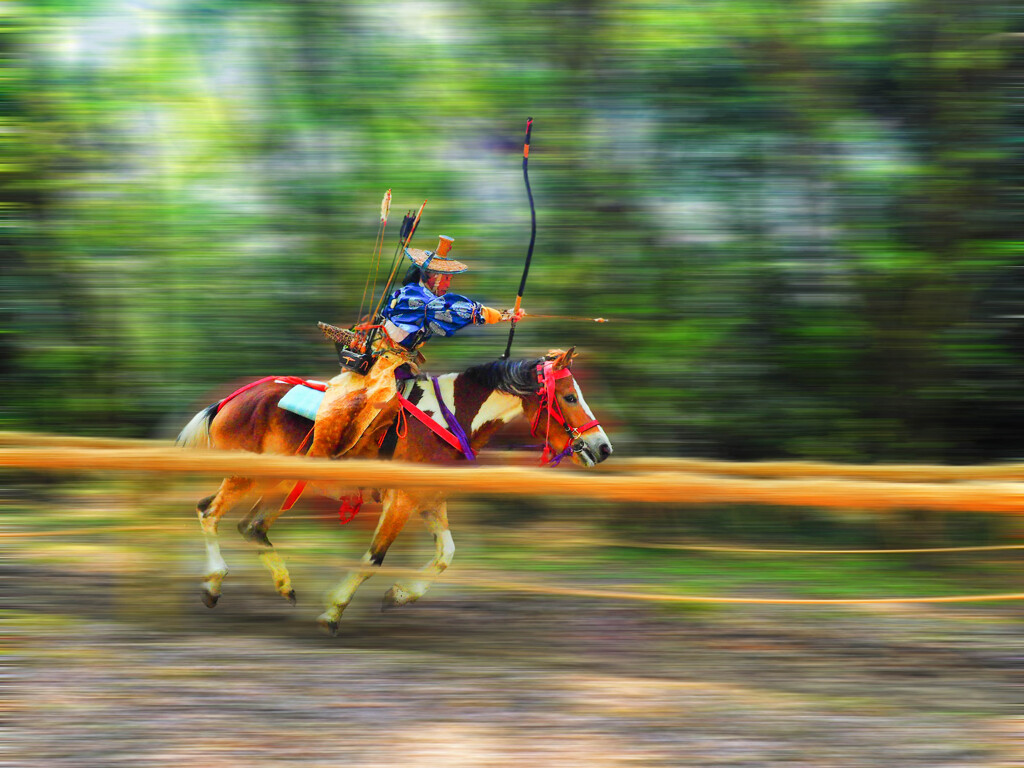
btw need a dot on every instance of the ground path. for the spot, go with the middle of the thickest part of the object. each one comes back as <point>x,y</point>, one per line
<point>489,679</point>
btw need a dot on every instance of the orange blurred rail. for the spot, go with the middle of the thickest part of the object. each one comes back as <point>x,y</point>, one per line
<point>663,487</point>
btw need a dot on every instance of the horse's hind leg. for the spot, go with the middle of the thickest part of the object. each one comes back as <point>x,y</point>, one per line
<point>254,527</point>
<point>436,521</point>
<point>257,521</point>
<point>210,511</point>
<point>397,506</point>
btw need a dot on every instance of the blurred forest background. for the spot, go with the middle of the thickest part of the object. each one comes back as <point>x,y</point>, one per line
<point>805,216</point>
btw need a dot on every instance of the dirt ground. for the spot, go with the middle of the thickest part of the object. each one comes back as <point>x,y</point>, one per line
<point>125,667</point>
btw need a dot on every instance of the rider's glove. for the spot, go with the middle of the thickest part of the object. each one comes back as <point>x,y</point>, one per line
<point>513,314</point>
<point>491,315</point>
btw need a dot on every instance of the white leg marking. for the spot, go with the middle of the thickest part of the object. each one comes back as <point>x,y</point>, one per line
<point>274,563</point>
<point>216,568</point>
<point>444,546</point>
<point>341,595</point>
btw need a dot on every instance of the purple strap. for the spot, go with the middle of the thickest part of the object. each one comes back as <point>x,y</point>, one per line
<point>558,459</point>
<point>453,423</point>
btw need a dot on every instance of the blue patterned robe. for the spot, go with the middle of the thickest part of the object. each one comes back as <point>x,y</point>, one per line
<point>421,314</point>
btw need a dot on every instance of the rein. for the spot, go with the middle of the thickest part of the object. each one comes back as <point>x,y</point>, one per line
<point>547,376</point>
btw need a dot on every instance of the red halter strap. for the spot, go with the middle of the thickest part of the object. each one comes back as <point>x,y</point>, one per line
<point>547,376</point>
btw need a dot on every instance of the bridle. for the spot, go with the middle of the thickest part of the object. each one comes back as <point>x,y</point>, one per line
<point>547,376</point>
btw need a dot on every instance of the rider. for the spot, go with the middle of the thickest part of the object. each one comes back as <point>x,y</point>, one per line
<point>421,308</point>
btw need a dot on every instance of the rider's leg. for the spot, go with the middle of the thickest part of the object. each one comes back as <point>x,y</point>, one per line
<point>351,404</point>
<point>397,507</point>
<point>210,510</point>
<point>408,591</point>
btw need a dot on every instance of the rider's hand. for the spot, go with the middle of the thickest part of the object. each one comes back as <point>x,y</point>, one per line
<point>513,314</point>
<point>491,315</point>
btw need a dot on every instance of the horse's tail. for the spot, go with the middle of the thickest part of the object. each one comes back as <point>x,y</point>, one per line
<point>196,433</point>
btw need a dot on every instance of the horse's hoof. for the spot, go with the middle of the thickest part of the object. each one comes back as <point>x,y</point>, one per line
<point>290,597</point>
<point>327,624</point>
<point>209,599</point>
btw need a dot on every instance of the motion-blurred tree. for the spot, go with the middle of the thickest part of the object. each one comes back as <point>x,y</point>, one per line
<point>809,211</point>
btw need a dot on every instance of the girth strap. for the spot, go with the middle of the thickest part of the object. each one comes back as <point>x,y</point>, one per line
<point>428,422</point>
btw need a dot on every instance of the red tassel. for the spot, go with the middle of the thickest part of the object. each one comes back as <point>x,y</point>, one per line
<point>350,506</point>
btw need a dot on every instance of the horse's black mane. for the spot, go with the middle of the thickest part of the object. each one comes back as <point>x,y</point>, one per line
<point>516,377</point>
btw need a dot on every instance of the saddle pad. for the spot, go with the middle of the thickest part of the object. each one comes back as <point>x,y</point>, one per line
<point>302,400</point>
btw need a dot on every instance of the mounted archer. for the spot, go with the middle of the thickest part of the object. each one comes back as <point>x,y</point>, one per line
<point>361,413</point>
<point>414,313</point>
<point>423,306</point>
<point>420,309</point>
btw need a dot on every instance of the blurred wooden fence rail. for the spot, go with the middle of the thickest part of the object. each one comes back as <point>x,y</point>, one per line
<point>667,487</point>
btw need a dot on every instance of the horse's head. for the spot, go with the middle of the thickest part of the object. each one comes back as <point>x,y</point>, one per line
<point>558,412</point>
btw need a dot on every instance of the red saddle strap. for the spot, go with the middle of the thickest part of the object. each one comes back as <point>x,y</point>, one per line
<point>432,425</point>
<point>293,380</point>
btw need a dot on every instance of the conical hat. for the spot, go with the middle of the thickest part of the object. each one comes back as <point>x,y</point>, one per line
<point>437,260</point>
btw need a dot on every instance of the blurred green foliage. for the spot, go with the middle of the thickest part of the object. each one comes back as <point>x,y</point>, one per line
<point>808,210</point>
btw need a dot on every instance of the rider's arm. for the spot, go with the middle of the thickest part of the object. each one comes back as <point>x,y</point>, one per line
<point>448,313</point>
<point>488,315</point>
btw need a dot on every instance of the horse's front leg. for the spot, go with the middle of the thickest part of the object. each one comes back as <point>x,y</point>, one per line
<point>397,507</point>
<point>210,510</point>
<point>436,520</point>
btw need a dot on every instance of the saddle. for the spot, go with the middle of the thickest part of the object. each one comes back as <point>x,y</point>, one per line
<point>303,399</point>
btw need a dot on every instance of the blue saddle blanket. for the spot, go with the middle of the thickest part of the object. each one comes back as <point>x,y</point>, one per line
<point>302,400</point>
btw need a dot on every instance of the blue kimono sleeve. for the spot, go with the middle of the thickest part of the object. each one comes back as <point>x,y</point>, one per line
<point>452,312</point>
<point>413,309</point>
<point>407,307</point>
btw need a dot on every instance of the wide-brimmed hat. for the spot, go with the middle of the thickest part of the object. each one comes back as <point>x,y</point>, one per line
<point>437,260</point>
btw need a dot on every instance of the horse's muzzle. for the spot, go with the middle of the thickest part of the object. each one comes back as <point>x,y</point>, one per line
<point>591,454</point>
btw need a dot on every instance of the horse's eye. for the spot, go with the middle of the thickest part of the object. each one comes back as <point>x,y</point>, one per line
<point>570,398</point>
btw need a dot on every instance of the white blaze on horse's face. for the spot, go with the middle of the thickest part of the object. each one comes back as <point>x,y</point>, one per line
<point>592,446</point>
<point>598,446</point>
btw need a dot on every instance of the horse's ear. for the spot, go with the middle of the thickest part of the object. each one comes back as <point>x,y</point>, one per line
<point>564,359</point>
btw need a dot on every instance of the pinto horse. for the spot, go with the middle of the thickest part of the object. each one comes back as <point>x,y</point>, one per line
<point>482,399</point>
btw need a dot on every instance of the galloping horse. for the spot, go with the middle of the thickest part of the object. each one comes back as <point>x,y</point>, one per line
<point>481,399</point>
